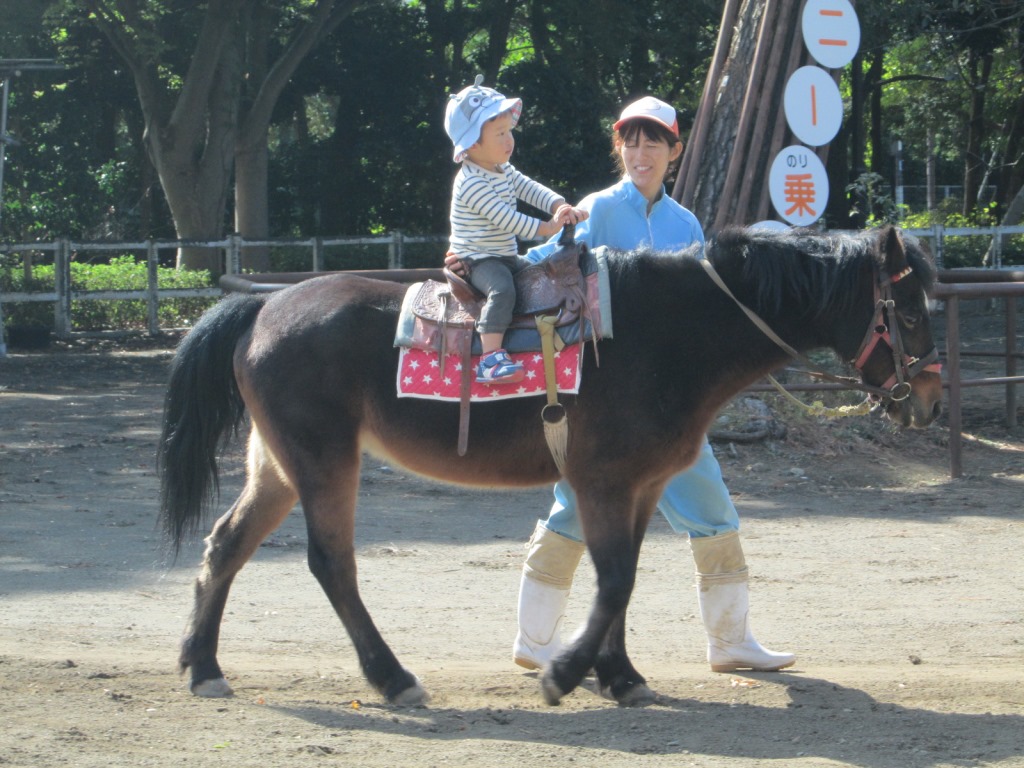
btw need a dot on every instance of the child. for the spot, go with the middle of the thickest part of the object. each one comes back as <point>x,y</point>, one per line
<point>484,219</point>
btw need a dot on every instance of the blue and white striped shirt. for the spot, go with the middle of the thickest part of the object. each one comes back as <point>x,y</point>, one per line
<point>484,219</point>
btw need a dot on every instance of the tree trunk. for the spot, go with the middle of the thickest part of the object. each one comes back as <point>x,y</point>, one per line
<point>252,204</point>
<point>497,39</point>
<point>858,142</point>
<point>252,156</point>
<point>740,126</point>
<point>194,133</point>
<point>879,151</point>
<point>1013,216</point>
<point>979,69</point>
<point>726,95</point>
<point>1011,176</point>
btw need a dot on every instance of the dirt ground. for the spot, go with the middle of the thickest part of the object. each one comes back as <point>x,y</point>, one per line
<point>900,590</point>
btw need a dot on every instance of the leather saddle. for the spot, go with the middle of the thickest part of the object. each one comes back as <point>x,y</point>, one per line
<point>555,286</point>
<point>554,289</point>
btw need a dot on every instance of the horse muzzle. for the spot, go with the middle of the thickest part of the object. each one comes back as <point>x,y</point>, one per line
<point>921,406</point>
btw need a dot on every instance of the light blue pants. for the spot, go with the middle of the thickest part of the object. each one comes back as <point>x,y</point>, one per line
<point>695,502</point>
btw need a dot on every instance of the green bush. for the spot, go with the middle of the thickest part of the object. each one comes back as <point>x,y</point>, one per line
<point>966,250</point>
<point>122,273</point>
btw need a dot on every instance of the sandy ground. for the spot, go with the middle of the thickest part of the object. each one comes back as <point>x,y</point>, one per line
<point>901,591</point>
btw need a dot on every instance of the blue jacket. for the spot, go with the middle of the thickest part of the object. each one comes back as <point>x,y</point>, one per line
<point>618,219</point>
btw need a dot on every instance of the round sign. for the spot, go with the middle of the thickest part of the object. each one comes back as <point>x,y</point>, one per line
<point>813,106</point>
<point>831,32</point>
<point>798,185</point>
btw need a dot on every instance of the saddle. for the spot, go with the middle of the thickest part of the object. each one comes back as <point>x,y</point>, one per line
<point>550,294</point>
<point>554,286</point>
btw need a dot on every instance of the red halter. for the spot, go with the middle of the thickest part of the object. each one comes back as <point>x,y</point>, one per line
<point>884,327</point>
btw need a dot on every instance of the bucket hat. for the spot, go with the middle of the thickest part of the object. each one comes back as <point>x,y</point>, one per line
<point>469,109</point>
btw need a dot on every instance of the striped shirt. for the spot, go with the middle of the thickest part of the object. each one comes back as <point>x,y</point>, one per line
<point>484,219</point>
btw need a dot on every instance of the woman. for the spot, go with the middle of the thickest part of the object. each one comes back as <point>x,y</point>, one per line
<point>636,212</point>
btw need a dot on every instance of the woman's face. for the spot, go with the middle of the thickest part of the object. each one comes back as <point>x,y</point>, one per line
<point>646,162</point>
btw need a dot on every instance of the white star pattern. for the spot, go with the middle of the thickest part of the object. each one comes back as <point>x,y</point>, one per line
<point>448,388</point>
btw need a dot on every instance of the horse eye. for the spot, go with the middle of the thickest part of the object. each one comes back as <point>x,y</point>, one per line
<point>910,319</point>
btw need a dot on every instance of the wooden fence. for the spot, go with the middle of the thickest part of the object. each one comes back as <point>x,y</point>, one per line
<point>61,252</point>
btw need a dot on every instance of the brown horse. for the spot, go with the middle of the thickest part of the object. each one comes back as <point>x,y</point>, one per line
<point>315,367</point>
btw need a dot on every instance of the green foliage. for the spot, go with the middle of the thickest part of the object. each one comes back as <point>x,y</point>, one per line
<point>357,142</point>
<point>122,273</point>
<point>967,250</point>
<point>871,190</point>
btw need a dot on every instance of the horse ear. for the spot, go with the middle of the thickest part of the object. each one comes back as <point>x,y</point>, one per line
<point>894,250</point>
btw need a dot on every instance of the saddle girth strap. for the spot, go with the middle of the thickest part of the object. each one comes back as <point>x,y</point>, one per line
<point>556,427</point>
<point>465,386</point>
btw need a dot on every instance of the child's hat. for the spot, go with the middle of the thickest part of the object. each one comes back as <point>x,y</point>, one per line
<point>650,108</point>
<point>469,109</point>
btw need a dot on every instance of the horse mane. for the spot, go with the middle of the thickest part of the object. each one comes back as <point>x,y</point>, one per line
<point>807,271</point>
<point>817,271</point>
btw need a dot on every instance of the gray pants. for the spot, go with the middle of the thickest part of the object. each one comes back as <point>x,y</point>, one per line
<point>494,278</point>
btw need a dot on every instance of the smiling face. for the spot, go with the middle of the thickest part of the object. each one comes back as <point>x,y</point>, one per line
<point>644,152</point>
<point>496,143</point>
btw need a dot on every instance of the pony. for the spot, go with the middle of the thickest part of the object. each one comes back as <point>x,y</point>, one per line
<point>315,368</point>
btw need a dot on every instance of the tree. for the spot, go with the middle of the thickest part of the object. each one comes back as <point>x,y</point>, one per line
<point>207,101</point>
<point>383,162</point>
<point>740,126</point>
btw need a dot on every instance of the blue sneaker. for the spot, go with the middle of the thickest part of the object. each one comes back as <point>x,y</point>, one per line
<point>499,368</point>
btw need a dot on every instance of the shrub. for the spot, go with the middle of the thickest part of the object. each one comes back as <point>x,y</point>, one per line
<point>967,250</point>
<point>122,273</point>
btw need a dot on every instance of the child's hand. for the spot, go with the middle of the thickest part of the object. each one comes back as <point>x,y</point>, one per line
<point>564,214</point>
<point>567,214</point>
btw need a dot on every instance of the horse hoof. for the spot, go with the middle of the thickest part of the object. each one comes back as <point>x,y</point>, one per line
<point>638,695</point>
<point>413,696</point>
<point>552,692</point>
<point>217,688</point>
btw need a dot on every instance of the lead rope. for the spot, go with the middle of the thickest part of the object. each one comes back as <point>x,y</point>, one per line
<point>817,408</point>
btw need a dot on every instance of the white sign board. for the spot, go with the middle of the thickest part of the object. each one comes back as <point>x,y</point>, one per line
<point>813,106</point>
<point>831,32</point>
<point>798,185</point>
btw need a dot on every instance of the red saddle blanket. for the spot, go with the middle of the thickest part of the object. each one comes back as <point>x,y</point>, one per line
<point>419,375</point>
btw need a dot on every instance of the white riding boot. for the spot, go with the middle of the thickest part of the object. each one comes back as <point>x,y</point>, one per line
<point>724,599</point>
<point>543,596</point>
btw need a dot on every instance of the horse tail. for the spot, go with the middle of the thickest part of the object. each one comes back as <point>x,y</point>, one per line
<point>202,411</point>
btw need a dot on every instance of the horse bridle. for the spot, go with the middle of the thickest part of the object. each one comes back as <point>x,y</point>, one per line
<point>906,367</point>
<point>885,328</point>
